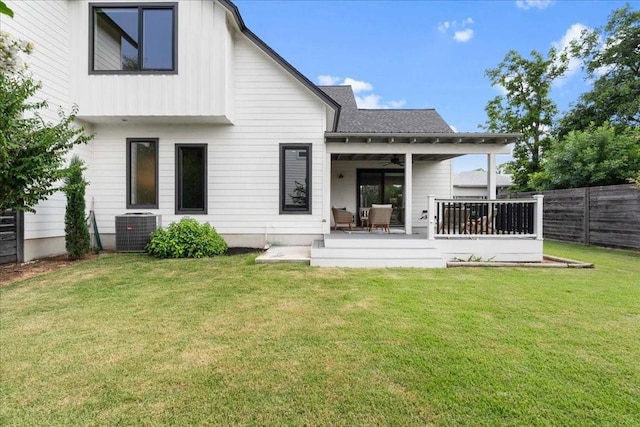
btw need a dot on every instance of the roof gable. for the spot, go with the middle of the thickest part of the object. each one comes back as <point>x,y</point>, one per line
<point>356,120</point>
<point>331,103</point>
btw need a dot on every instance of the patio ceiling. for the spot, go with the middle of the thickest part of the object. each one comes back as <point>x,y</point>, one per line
<point>436,146</point>
<point>387,157</point>
<point>422,138</point>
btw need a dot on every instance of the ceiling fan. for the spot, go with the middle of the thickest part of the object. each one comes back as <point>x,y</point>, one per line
<point>395,160</point>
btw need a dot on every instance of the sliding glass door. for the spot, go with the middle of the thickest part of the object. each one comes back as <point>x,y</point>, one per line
<point>382,186</point>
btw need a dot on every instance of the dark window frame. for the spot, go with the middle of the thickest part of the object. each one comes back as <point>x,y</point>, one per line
<point>284,210</point>
<point>140,7</point>
<point>156,142</point>
<point>178,171</point>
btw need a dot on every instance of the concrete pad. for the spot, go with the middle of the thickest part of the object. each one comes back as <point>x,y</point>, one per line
<point>293,254</point>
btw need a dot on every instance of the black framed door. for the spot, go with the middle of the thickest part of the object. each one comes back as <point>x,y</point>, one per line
<point>382,186</point>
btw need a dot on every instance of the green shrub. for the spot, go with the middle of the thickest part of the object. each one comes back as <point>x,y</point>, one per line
<point>186,239</point>
<point>77,239</point>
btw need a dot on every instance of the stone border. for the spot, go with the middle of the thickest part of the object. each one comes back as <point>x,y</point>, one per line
<point>548,262</point>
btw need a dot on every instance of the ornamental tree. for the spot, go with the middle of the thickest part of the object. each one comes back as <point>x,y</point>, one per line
<point>32,151</point>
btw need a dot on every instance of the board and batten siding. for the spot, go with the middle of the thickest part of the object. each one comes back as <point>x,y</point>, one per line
<point>198,92</point>
<point>429,178</point>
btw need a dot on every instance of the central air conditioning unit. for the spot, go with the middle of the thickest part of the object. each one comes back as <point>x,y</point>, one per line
<point>133,231</point>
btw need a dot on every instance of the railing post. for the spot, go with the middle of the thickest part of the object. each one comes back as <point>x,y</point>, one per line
<point>431,212</point>
<point>537,224</point>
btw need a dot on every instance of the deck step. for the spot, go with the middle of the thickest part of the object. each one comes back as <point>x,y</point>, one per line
<point>380,253</point>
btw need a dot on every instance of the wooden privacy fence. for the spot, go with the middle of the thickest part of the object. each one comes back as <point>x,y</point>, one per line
<point>604,216</point>
<point>11,238</point>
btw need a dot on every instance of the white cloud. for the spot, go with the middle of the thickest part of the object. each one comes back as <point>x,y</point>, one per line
<point>463,36</point>
<point>533,4</point>
<point>461,31</point>
<point>366,101</point>
<point>327,80</point>
<point>372,102</point>
<point>444,26</point>
<point>501,89</point>
<point>563,45</point>
<point>453,128</point>
<point>357,85</point>
<point>396,104</point>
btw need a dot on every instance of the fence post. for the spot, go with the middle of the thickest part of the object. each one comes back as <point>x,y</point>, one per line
<point>537,224</point>
<point>587,213</point>
<point>431,219</point>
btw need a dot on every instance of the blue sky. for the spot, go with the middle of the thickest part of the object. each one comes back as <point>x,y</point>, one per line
<point>423,54</point>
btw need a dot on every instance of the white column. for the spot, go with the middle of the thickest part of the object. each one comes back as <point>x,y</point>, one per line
<point>537,223</point>
<point>326,195</point>
<point>491,176</point>
<point>408,193</point>
<point>431,213</point>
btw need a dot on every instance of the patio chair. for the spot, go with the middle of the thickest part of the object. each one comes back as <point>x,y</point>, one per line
<point>342,218</point>
<point>363,214</point>
<point>454,221</point>
<point>380,218</point>
<point>483,224</point>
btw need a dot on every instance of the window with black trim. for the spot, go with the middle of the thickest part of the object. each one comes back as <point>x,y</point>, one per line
<point>142,173</point>
<point>295,178</point>
<point>128,38</point>
<point>191,178</point>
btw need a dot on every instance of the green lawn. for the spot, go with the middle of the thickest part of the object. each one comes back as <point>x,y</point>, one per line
<point>125,339</point>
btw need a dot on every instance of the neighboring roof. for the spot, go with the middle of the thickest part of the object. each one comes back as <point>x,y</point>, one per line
<point>355,120</point>
<point>233,9</point>
<point>478,178</point>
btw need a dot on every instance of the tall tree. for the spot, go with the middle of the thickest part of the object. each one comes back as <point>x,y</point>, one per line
<point>32,151</point>
<point>526,107</point>
<point>594,156</point>
<point>611,59</point>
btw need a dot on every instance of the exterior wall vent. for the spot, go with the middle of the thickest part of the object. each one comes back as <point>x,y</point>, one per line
<point>133,231</point>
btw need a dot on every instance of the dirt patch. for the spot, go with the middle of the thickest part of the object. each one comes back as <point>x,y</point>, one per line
<point>10,273</point>
<point>243,251</point>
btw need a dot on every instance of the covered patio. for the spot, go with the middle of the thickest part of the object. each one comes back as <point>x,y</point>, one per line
<point>419,159</point>
<point>431,227</point>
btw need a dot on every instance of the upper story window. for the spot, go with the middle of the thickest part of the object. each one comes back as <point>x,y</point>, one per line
<point>133,39</point>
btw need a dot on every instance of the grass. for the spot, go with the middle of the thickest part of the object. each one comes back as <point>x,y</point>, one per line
<point>125,339</point>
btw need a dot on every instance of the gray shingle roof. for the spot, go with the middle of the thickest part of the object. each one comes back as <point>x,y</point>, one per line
<point>355,120</point>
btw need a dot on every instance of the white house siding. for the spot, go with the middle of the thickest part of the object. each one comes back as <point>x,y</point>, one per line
<point>46,24</point>
<point>197,93</point>
<point>108,50</point>
<point>243,159</point>
<point>428,178</point>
